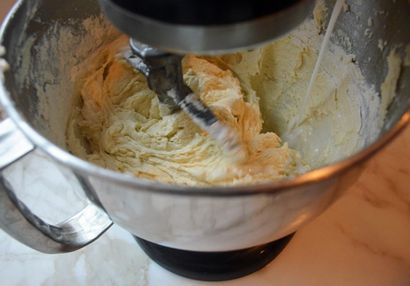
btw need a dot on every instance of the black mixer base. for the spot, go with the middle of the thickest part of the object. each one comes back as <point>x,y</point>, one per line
<point>214,266</point>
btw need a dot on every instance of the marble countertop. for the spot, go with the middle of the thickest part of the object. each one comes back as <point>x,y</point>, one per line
<point>363,239</point>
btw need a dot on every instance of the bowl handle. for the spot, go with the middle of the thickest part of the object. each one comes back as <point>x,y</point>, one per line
<point>18,221</point>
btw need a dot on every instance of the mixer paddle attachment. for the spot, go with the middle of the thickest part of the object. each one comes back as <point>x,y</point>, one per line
<point>164,75</point>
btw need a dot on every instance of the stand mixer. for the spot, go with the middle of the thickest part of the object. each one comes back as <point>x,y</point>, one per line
<point>206,233</point>
<point>162,31</point>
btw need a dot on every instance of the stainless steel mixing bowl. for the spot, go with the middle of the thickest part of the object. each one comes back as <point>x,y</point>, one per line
<point>200,219</point>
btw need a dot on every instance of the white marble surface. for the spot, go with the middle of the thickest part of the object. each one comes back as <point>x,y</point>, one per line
<point>361,240</point>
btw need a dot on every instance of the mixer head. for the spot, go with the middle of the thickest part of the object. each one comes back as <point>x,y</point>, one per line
<point>206,26</point>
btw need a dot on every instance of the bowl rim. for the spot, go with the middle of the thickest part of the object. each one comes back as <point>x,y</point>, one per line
<point>86,169</point>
